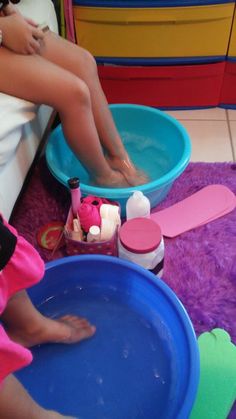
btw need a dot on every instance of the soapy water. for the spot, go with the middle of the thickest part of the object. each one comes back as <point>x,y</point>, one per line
<point>147,155</point>
<point>124,371</point>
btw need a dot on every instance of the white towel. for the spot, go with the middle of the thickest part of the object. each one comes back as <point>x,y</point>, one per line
<point>14,113</point>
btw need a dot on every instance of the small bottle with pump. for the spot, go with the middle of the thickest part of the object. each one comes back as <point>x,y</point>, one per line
<point>74,185</point>
<point>138,205</point>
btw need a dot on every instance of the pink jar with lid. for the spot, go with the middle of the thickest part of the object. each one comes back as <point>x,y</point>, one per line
<point>141,242</point>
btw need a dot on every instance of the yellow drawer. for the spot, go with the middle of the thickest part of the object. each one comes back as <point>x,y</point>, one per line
<point>154,32</point>
<point>232,44</point>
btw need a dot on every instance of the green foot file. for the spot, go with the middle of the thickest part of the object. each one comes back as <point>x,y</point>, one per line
<point>217,387</point>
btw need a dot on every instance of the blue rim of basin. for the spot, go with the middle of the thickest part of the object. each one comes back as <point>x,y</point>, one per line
<point>158,284</point>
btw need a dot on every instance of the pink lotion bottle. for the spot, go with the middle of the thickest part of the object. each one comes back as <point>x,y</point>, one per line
<point>75,192</point>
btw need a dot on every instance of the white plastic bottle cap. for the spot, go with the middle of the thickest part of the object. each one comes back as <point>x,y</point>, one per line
<point>138,195</point>
<point>93,234</point>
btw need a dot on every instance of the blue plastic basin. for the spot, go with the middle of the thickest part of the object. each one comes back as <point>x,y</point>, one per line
<point>143,361</point>
<point>156,142</point>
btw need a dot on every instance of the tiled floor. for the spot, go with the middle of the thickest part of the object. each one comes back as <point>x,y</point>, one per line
<point>212,133</point>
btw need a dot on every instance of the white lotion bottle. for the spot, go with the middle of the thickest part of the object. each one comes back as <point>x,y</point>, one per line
<point>138,205</point>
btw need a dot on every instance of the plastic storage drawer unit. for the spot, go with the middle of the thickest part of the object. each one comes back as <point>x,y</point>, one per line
<point>189,31</point>
<point>163,86</point>
<point>228,93</point>
<point>232,42</point>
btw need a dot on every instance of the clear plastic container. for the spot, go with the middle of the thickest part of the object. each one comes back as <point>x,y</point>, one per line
<point>140,241</point>
<point>138,205</point>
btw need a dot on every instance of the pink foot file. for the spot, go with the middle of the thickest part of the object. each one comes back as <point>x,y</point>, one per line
<point>204,206</point>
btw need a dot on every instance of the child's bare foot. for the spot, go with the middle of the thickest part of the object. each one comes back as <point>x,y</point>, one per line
<point>133,176</point>
<point>67,329</point>
<point>116,179</point>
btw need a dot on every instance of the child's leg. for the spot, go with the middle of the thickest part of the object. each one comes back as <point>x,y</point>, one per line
<point>81,63</point>
<point>16,403</point>
<point>38,80</point>
<point>27,326</point>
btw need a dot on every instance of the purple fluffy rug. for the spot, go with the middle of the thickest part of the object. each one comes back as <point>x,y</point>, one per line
<point>200,265</point>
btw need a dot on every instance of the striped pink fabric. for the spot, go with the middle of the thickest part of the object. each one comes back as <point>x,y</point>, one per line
<point>24,269</point>
<point>69,21</point>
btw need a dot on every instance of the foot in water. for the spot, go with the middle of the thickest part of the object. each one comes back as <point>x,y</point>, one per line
<point>115,179</point>
<point>133,176</point>
<point>67,329</point>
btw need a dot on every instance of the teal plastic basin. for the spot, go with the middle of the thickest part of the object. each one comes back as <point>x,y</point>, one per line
<point>156,142</point>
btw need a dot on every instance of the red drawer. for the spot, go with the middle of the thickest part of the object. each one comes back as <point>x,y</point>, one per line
<point>228,92</point>
<point>177,86</point>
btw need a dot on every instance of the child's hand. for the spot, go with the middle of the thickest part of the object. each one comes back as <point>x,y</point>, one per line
<point>20,35</point>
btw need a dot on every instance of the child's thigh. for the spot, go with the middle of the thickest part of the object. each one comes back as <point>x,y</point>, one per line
<point>69,56</point>
<point>33,78</point>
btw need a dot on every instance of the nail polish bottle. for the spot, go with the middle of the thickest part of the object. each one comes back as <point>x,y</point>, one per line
<point>74,185</point>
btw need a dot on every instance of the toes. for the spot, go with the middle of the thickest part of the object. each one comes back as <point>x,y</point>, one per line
<point>84,333</point>
<point>137,178</point>
<point>79,334</point>
<point>77,329</point>
<point>115,180</point>
<point>133,176</point>
<point>71,318</point>
<point>74,321</point>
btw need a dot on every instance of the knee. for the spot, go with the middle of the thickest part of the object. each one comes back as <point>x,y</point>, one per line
<point>89,63</point>
<point>81,92</point>
<point>76,94</point>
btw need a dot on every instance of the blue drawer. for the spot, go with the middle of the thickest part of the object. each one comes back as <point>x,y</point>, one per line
<point>148,3</point>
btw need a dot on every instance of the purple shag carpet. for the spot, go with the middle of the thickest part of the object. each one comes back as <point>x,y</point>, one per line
<point>200,265</point>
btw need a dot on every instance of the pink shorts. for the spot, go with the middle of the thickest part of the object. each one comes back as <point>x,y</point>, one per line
<point>24,269</point>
